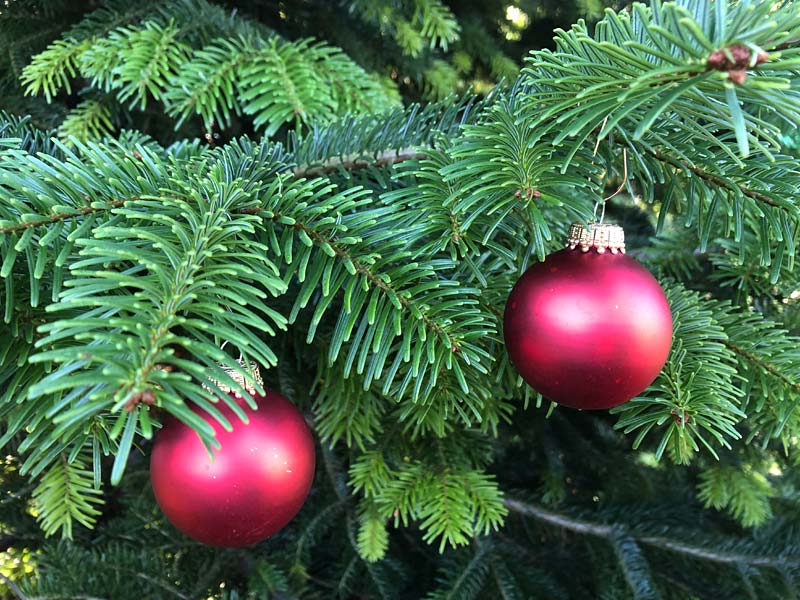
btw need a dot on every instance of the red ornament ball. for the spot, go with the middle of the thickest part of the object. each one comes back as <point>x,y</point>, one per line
<point>254,485</point>
<point>588,330</point>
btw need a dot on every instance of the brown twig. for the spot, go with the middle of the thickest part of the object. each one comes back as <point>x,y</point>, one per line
<point>371,277</point>
<point>710,177</point>
<point>761,363</point>
<point>358,162</point>
<point>80,212</point>
<point>785,45</point>
<point>331,165</point>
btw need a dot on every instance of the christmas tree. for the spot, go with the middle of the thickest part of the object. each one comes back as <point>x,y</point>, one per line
<point>342,195</point>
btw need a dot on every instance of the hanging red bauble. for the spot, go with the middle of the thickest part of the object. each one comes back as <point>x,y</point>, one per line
<point>254,485</point>
<point>589,327</point>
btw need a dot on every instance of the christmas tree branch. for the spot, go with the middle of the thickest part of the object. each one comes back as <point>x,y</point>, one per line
<point>189,275</point>
<point>13,587</point>
<point>339,485</point>
<point>213,81</point>
<point>81,212</point>
<point>361,269</point>
<point>157,582</point>
<point>608,531</point>
<point>355,162</point>
<point>791,44</point>
<point>714,179</point>
<point>348,163</point>
<point>772,370</point>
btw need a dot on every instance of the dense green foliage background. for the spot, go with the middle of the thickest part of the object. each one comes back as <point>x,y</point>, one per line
<point>356,180</point>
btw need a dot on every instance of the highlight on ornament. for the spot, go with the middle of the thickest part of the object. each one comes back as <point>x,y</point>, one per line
<point>589,327</point>
<point>254,484</point>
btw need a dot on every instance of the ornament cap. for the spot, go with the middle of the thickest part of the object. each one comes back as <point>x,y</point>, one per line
<point>597,236</point>
<point>238,378</point>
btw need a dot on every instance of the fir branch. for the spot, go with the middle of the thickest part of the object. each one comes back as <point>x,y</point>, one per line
<point>156,582</point>
<point>391,302</point>
<point>195,243</point>
<point>339,485</point>
<point>66,494</point>
<point>362,269</point>
<point>767,358</point>
<point>91,119</point>
<point>462,580</point>
<point>741,489</point>
<point>167,56</point>
<point>356,162</point>
<point>609,531</point>
<point>412,126</point>
<point>695,400</point>
<point>209,97</point>
<point>478,192</point>
<point>82,212</point>
<point>348,163</point>
<point>714,179</point>
<point>13,587</point>
<point>31,138</point>
<point>772,370</point>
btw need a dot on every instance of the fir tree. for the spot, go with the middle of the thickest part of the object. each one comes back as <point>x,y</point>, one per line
<point>182,183</point>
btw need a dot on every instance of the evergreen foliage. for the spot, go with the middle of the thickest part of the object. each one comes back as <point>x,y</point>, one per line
<point>360,251</point>
<point>173,55</point>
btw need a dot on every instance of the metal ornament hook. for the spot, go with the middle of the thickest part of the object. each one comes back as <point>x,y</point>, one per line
<point>621,185</point>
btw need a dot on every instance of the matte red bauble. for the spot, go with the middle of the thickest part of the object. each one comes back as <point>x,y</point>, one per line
<point>589,327</point>
<point>254,485</point>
